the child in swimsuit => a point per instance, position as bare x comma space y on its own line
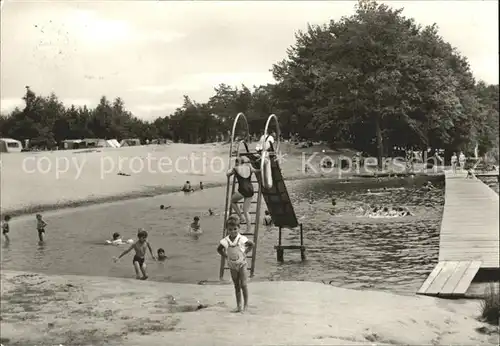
40, 226
161, 255
195, 227
245, 188
6, 227
140, 247
234, 248
268, 220
187, 187
117, 240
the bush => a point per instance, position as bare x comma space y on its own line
490, 306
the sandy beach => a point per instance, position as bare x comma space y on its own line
37, 181
78, 310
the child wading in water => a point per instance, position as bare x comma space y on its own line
140, 247
6, 228
161, 255
234, 248
40, 226
268, 220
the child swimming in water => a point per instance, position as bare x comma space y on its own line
140, 247
117, 240
268, 220
40, 226
195, 226
234, 248
6, 227
161, 255
187, 187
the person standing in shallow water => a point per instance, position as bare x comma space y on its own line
40, 226
140, 247
268, 220
243, 173
6, 228
187, 187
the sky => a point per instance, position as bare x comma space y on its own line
151, 53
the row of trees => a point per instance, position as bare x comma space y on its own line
373, 80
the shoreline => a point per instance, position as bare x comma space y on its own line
80, 184
85, 310
153, 191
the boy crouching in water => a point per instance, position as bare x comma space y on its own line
234, 248
140, 247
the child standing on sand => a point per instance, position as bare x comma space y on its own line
6, 227
234, 248
140, 247
40, 226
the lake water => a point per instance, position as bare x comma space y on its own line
492, 182
343, 247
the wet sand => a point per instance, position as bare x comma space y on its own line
78, 310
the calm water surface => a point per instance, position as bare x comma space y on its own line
343, 247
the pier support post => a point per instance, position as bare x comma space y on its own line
280, 254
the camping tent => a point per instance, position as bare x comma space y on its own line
9, 145
73, 144
129, 142
114, 143
107, 143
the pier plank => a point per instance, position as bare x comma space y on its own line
467, 278
452, 283
443, 276
435, 272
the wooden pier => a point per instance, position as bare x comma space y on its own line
469, 238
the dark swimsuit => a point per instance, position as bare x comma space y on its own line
139, 260
245, 187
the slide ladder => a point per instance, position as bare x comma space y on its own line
276, 196
234, 151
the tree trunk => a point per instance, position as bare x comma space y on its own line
380, 144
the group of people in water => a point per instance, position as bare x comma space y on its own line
40, 227
188, 188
